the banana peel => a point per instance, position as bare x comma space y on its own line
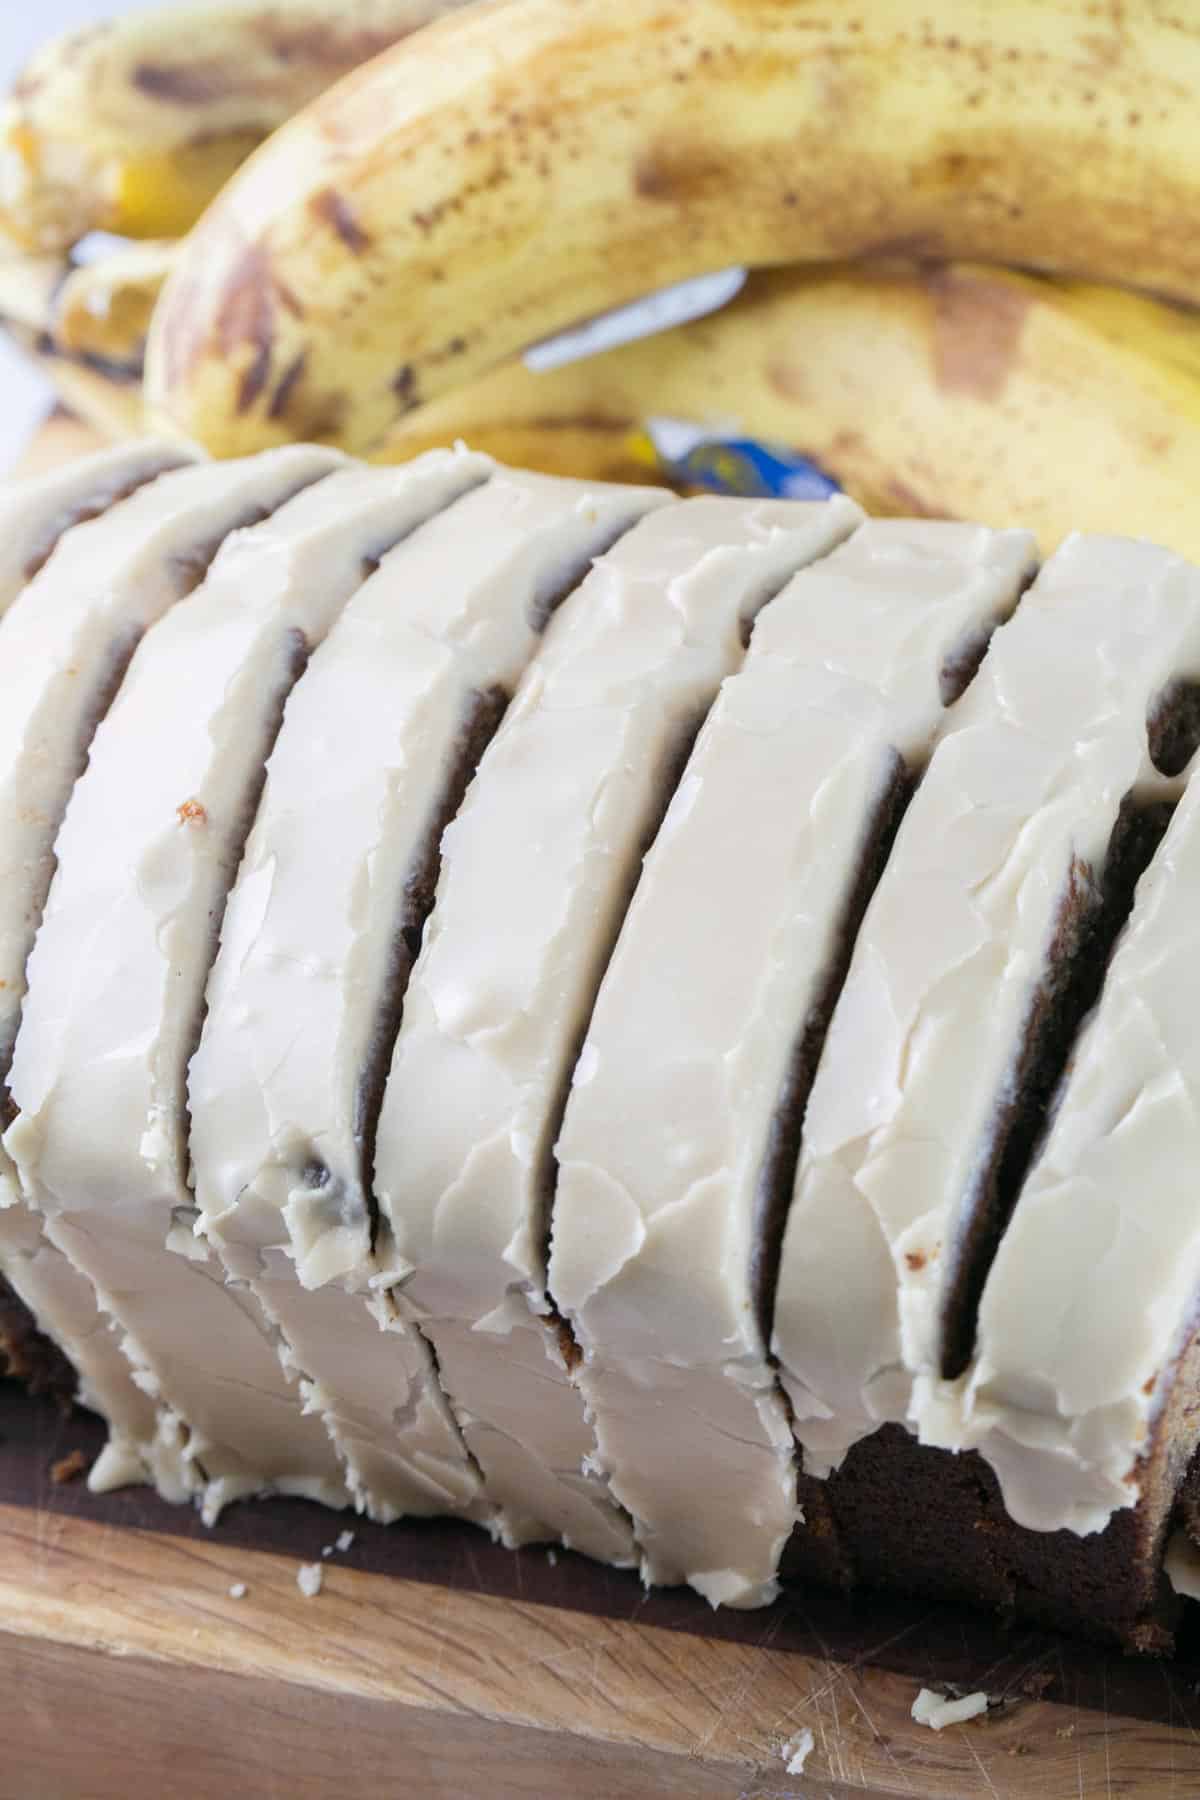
103, 308
963, 391
85, 328
133, 126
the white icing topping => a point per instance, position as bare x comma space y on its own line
722, 959
62, 643
535, 875
35, 513
67, 637
1024, 786
1094, 1287
370, 737
117, 974
64, 1304
1092, 1293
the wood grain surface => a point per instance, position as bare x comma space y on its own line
435, 1665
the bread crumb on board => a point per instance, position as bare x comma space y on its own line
67, 1468
937, 1711
797, 1750
309, 1577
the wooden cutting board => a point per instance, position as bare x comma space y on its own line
434, 1665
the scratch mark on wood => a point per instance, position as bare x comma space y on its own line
881, 1740
970, 1743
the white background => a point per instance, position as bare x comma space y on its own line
24, 24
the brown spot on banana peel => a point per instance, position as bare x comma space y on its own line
246, 314
324, 49
324, 420
334, 210
978, 322
285, 387
246, 320
678, 174
582, 421
427, 221
786, 374
318, 418
254, 378
917, 247
908, 501
324, 46
404, 386
183, 85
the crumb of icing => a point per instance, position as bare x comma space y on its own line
68, 1467
309, 1577
937, 1711
797, 1751
344, 1541
238, 1591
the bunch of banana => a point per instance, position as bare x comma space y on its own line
961, 390
521, 164
528, 162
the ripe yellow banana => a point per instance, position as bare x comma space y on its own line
525, 163
103, 397
1009, 397
103, 308
98, 376
965, 390
132, 127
